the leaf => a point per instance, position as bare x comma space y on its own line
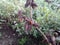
27, 3
31, 3
20, 16
28, 27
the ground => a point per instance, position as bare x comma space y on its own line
7, 35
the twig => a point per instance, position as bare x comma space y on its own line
43, 35
31, 13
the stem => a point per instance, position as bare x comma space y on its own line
31, 13
43, 35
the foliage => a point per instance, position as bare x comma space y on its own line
23, 41
46, 14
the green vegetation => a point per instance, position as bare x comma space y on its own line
46, 14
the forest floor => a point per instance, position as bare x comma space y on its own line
7, 36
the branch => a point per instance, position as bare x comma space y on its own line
31, 13
33, 23
37, 27
43, 35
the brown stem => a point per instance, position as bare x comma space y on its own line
31, 13
43, 35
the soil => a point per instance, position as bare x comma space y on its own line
7, 35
